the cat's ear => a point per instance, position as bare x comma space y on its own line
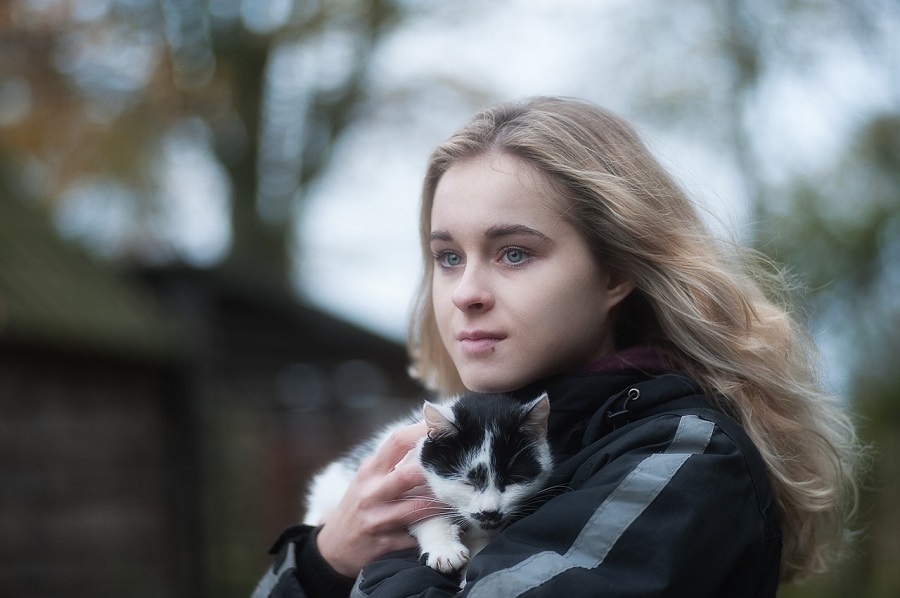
439, 419
536, 414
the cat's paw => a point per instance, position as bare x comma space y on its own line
447, 559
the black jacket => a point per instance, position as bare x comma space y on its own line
656, 493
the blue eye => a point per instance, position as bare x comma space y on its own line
448, 259
514, 255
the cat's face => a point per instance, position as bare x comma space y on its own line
486, 456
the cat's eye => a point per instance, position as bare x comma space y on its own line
518, 472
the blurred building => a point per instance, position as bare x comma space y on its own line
156, 430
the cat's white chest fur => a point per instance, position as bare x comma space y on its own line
326, 490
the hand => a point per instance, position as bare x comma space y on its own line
387, 494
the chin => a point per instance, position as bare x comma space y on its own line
491, 385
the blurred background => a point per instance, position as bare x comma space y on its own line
208, 240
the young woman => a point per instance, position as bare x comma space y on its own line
696, 453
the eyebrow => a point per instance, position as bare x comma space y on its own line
496, 232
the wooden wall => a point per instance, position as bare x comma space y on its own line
86, 455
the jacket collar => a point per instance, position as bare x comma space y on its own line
588, 405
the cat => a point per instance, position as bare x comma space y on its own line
484, 456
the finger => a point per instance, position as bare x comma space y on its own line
422, 491
402, 511
399, 540
400, 442
419, 508
403, 480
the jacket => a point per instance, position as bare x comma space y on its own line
655, 493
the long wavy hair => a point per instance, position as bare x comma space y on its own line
716, 310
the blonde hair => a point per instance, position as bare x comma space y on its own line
714, 309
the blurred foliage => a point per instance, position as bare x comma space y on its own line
841, 228
93, 95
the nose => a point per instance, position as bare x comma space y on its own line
488, 516
472, 292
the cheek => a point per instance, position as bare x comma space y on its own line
570, 323
448, 490
513, 496
575, 304
441, 310
441, 300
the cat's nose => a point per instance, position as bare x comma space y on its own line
488, 516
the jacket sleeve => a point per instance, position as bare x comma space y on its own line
670, 508
299, 571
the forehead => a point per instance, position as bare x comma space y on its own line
495, 187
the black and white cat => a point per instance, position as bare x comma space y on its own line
484, 457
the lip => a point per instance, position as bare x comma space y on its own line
479, 341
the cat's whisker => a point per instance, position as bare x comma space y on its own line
451, 518
423, 518
522, 511
435, 510
515, 456
429, 499
560, 488
431, 515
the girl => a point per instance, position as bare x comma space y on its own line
696, 453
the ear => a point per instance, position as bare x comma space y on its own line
439, 419
536, 414
618, 286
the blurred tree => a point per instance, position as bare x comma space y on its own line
841, 227
838, 225
138, 121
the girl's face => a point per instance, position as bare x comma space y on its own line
517, 295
